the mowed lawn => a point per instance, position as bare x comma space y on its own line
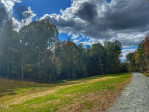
89, 94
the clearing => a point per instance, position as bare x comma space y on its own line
97, 93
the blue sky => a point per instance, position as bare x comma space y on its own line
108, 1
41, 7
92, 21
50, 7
47, 7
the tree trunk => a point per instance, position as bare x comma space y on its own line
142, 67
22, 69
44, 67
68, 70
8, 71
101, 68
53, 72
39, 61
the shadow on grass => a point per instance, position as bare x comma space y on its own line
12, 87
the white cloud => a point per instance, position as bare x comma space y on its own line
101, 21
98, 20
118, 20
9, 4
16, 24
125, 52
75, 36
75, 41
29, 14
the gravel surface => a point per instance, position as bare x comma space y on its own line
135, 97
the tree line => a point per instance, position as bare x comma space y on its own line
139, 60
36, 53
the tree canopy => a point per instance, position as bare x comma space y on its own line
36, 53
139, 59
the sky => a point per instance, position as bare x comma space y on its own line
91, 21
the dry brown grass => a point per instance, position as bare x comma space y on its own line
90, 101
99, 101
18, 99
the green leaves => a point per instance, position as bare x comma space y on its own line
36, 53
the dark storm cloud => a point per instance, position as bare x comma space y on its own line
128, 15
102, 20
87, 11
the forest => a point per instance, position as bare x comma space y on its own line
36, 53
139, 60
74, 55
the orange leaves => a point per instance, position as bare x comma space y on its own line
69, 43
146, 46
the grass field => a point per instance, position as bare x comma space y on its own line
90, 94
146, 74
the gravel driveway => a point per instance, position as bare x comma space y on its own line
135, 97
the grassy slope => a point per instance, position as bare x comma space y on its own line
146, 74
90, 94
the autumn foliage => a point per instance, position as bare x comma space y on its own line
139, 60
146, 46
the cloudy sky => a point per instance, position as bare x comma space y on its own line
91, 21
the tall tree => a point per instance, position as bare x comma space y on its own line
40, 36
98, 53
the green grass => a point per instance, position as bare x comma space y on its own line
94, 93
146, 74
